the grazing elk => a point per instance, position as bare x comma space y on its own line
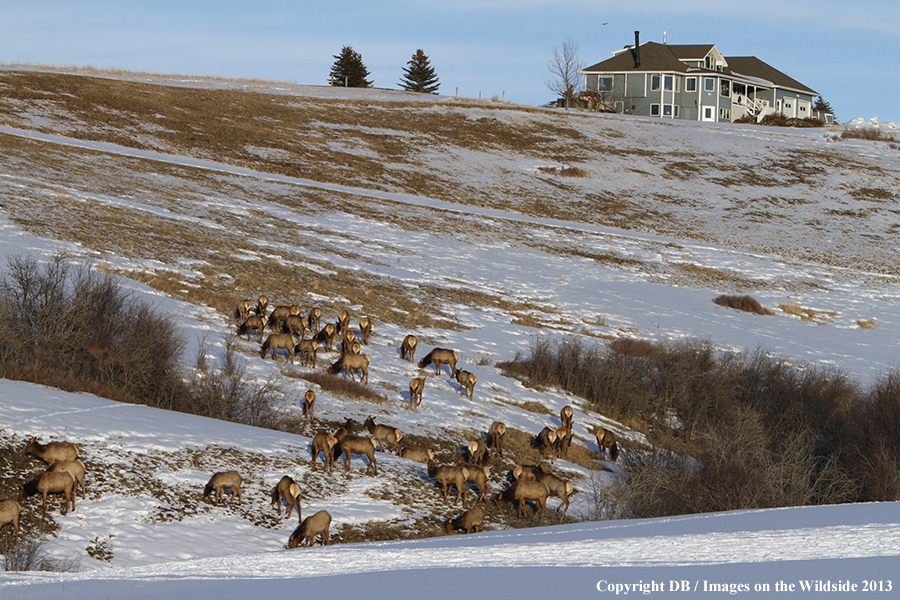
478, 452
478, 475
288, 491
221, 481
563, 441
253, 323
279, 317
566, 417
384, 434
243, 310
440, 357
75, 468
52, 452
262, 305
309, 405
345, 429
447, 476
323, 442
606, 441
422, 455
326, 336
560, 488
495, 436
307, 349
546, 440
416, 386
347, 340
349, 363
528, 473
352, 444
276, 342
471, 520
295, 324
365, 329
9, 513
408, 348
59, 482
315, 319
343, 321
305, 534
520, 492
466, 382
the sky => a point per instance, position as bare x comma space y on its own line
480, 49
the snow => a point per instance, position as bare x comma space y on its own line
218, 552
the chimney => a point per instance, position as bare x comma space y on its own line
637, 49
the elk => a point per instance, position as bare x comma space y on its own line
528, 473
408, 348
560, 488
384, 434
75, 468
262, 305
566, 417
478, 452
422, 455
278, 341
9, 513
563, 441
416, 386
466, 382
495, 436
349, 363
287, 490
295, 324
479, 476
220, 481
294, 310
343, 321
307, 349
59, 482
309, 404
447, 476
345, 429
365, 329
243, 310
522, 491
278, 317
315, 319
352, 444
52, 452
440, 357
606, 440
471, 520
253, 323
305, 534
347, 341
323, 442
546, 439
326, 336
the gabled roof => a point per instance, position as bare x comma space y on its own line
654, 57
753, 67
691, 51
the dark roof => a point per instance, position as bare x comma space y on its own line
691, 51
654, 57
753, 67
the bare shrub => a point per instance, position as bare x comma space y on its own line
342, 386
744, 303
31, 556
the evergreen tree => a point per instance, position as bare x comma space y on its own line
348, 69
419, 76
823, 105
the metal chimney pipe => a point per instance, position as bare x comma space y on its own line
637, 49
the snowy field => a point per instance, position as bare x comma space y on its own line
222, 552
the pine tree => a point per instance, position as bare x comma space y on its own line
823, 106
419, 75
348, 69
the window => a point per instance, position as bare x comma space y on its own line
678, 83
724, 114
708, 63
604, 84
739, 89
690, 84
669, 83
654, 110
667, 110
709, 84
677, 111
726, 88
654, 83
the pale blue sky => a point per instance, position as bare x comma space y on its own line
848, 52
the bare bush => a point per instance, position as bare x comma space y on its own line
31, 556
744, 303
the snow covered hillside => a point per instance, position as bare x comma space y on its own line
455, 222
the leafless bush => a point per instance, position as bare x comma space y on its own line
343, 386
744, 303
31, 556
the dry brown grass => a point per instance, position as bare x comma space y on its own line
808, 314
742, 303
868, 324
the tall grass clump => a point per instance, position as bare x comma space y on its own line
74, 328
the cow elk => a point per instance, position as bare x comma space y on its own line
9, 513
345, 429
447, 476
408, 348
546, 439
343, 321
52, 452
243, 310
312, 526
528, 473
471, 520
288, 491
560, 488
365, 329
478, 452
276, 342
252, 323
326, 336
566, 417
75, 468
563, 441
309, 405
323, 442
315, 319
307, 349
384, 435
416, 386
422, 455
466, 382
222, 481
262, 305
440, 357
349, 363
479, 476
297, 325
520, 492
495, 436
352, 444
59, 482
606, 441
279, 317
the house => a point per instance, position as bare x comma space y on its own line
694, 82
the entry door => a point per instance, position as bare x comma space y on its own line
708, 113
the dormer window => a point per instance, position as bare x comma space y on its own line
708, 63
